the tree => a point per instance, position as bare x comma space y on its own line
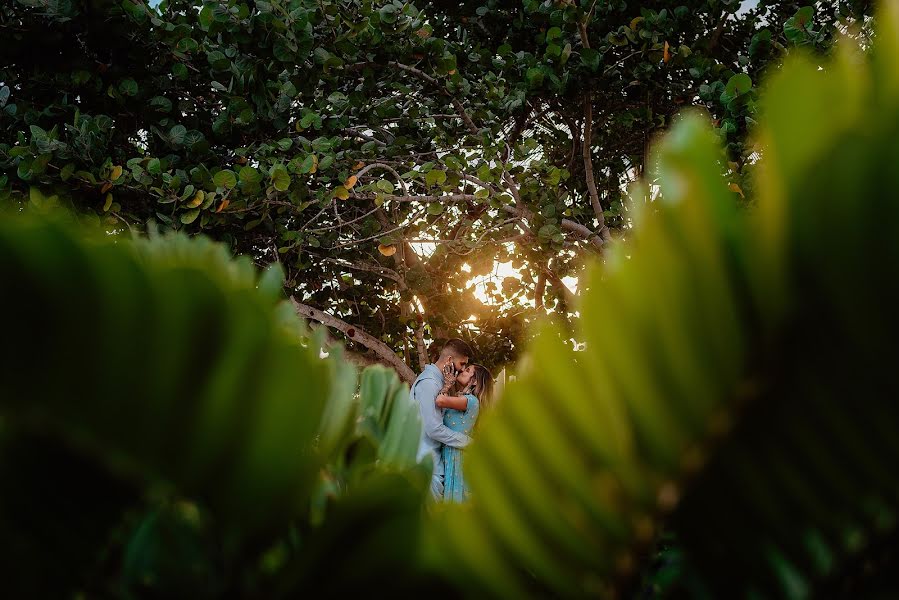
743, 398
374, 149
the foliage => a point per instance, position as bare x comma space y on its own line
166, 424
736, 384
735, 388
328, 134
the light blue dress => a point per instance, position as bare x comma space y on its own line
454, 489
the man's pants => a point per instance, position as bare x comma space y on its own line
437, 486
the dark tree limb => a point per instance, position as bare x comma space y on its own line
588, 166
539, 290
386, 355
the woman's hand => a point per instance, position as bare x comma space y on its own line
449, 377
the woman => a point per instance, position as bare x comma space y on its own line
461, 414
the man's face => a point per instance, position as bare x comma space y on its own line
459, 363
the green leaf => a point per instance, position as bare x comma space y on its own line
190, 216
161, 103
66, 172
547, 231
205, 16
388, 13
177, 134
534, 77
209, 317
280, 178
225, 179
385, 186
186, 45
738, 84
249, 175
435, 208
308, 163
797, 27
590, 58
128, 87
566, 53
435, 177
154, 166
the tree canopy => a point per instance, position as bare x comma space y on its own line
385, 153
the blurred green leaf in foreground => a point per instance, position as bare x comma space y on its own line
737, 386
169, 428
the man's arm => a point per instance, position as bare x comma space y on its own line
432, 419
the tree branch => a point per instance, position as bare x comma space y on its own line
588, 162
420, 346
444, 198
566, 225
567, 294
377, 269
583, 231
382, 350
379, 165
364, 136
539, 290
468, 122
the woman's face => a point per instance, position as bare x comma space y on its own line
465, 376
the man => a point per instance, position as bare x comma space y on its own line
453, 358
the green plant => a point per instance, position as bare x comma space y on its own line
737, 381
167, 423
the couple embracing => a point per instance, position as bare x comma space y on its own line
450, 393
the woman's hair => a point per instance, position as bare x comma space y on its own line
482, 384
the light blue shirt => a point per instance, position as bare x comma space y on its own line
434, 434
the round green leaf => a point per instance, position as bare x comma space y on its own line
388, 13
186, 45
161, 103
128, 87
534, 77
177, 134
435, 177
249, 176
225, 179
280, 178
738, 84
